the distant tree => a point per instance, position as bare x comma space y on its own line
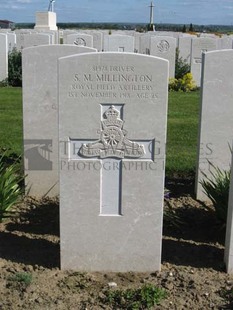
150, 27
184, 29
191, 29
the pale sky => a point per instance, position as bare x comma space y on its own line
136, 11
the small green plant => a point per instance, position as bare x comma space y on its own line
185, 84
228, 296
181, 66
132, 299
15, 68
75, 281
10, 191
216, 187
183, 80
4, 83
21, 277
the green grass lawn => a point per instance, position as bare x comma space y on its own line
11, 121
182, 132
183, 110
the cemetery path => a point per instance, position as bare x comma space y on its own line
192, 272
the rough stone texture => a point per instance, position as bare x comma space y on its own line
216, 126
228, 254
199, 46
40, 113
118, 43
164, 47
130, 239
3, 57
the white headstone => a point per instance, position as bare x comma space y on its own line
54, 36
144, 44
216, 126
31, 39
35, 39
185, 49
228, 253
98, 40
40, 113
164, 47
11, 39
137, 36
225, 43
80, 39
199, 46
66, 33
3, 57
112, 172
118, 43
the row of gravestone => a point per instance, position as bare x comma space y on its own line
190, 47
95, 133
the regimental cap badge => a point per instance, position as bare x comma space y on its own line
112, 141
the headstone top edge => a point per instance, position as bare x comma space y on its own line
225, 51
53, 46
124, 54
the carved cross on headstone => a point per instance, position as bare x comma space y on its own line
111, 148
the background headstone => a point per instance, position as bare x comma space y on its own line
80, 39
144, 44
11, 39
118, 43
199, 46
111, 198
164, 47
228, 253
40, 116
24, 40
3, 56
35, 39
225, 43
216, 126
185, 49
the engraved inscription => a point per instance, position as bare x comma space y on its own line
163, 46
112, 141
197, 60
113, 82
80, 42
